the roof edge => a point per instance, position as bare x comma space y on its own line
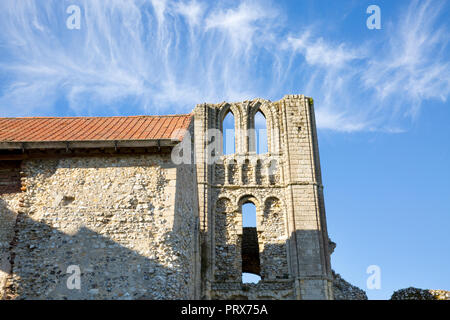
88, 144
103, 117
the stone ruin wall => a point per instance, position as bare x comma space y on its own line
284, 185
10, 185
92, 212
272, 247
250, 180
129, 223
413, 293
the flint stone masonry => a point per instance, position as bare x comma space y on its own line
127, 222
285, 186
279, 290
141, 224
412, 293
9, 205
346, 291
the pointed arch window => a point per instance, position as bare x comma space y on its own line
260, 134
229, 134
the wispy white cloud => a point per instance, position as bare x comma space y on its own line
321, 53
160, 7
124, 50
193, 11
414, 67
244, 23
164, 56
374, 86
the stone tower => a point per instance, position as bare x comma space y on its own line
290, 247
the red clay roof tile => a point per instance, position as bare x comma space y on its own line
41, 129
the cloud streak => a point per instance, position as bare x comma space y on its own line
136, 57
378, 84
415, 64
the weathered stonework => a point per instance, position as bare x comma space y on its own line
345, 291
272, 240
227, 241
128, 223
412, 293
140, 224
267, 290
284, 185
9, 205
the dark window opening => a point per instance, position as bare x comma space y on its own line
251, 268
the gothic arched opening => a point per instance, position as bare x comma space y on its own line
229, 134
260, 134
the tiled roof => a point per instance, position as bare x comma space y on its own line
44, 129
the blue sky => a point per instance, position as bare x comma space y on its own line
381, 98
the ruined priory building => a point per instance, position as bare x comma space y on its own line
149, 207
